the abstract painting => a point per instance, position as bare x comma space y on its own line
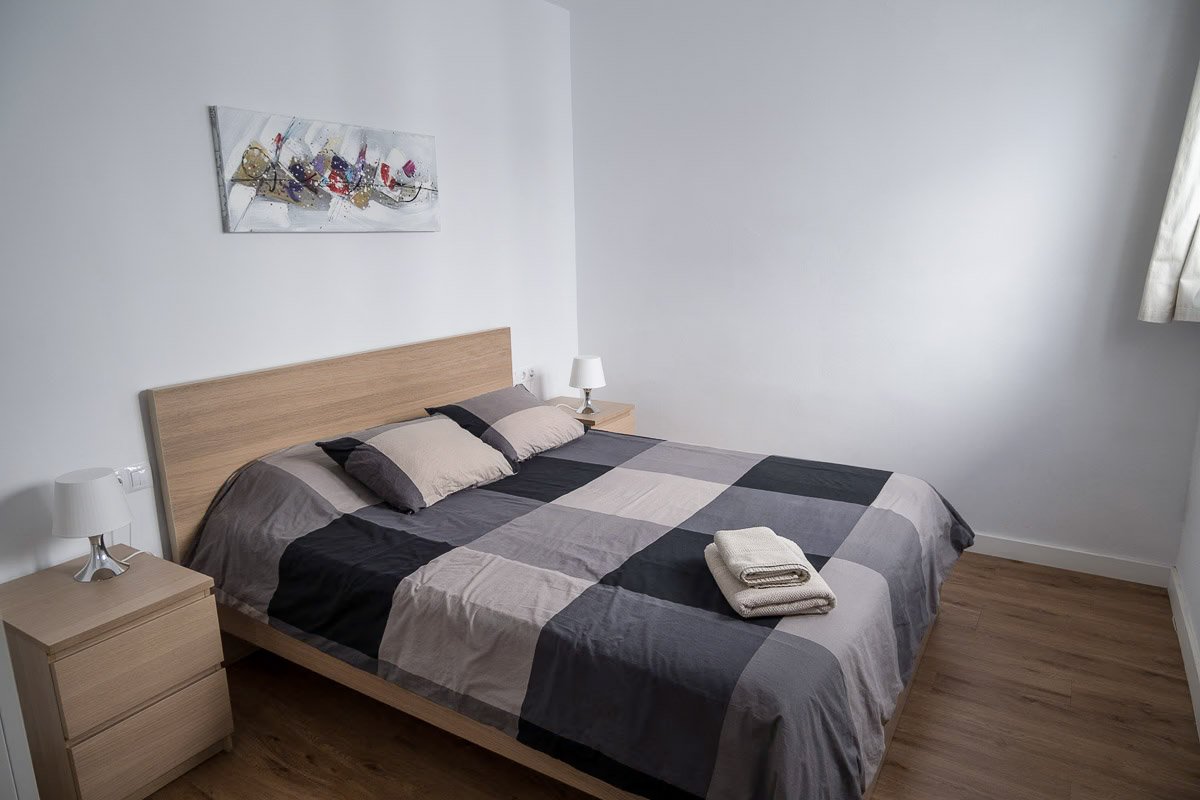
285, 173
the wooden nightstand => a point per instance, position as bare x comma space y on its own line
120, 681
609, 416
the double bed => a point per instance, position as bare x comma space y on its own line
564, 616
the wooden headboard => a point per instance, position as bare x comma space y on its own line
206, 430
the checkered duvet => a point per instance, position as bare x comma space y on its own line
570, 605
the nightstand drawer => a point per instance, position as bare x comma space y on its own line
133, 753
120, 673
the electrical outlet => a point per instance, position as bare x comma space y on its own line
525, 376
135, 477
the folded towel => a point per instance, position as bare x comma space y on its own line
759, 557
812, 597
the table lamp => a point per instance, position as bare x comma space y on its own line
90, 503
587, 373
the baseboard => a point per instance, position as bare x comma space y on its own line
1126, 569
1181, 610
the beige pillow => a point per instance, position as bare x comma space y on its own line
414, 464
514, 422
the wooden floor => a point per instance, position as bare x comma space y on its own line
1036, 683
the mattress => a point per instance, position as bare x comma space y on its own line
570, 606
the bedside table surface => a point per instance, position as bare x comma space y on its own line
57, 611
606, 410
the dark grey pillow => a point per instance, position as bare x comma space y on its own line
414, 464
514, 422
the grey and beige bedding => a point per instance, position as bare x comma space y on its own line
514, 422
570, 606
412, 465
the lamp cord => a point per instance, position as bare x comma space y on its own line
128, 558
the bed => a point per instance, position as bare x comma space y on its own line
562, 616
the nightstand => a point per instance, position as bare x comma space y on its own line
609, 416
120, 681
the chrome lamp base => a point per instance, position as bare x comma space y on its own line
100, 566
587, 407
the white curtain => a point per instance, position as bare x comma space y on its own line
1173, 283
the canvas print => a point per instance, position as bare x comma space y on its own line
285, 173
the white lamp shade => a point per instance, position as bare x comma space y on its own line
89, 502
587, 373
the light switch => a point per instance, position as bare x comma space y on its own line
135, 478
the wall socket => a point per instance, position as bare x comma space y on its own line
525, 376
134, 478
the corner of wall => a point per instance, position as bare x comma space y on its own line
1189, 644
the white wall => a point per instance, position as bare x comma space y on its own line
1185, 585
8, 785
116, 276
901, 234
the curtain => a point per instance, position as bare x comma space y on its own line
1173, 283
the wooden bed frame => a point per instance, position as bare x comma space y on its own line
204, 431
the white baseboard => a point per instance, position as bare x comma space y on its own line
1126, 569
1181, 610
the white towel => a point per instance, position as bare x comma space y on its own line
812, 597
759, 557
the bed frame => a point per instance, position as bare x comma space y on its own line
206, 430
